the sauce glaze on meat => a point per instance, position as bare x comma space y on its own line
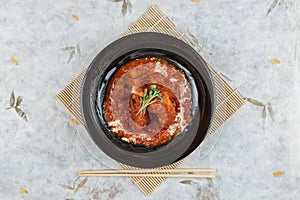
162, 120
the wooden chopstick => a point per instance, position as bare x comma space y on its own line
156, 175
176, 173
116, 171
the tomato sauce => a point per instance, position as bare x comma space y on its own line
164, 117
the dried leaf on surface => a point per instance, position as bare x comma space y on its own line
11, 99
270, 110
72, 54
186, 182
129, 5
254, 101
23, 191
77, 49
74, 121
73, 51
19, 101
14, 61
272, 6
67, 187
81, 184
124, 8
264, 113
67, 49
275, 61
21, 113
277, 174
75, 17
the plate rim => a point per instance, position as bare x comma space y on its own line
145, 160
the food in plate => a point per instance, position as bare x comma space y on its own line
148, 101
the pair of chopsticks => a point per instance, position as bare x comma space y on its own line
175, 173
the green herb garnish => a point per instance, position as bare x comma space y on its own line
151, 96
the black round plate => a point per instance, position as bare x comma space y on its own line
141, 45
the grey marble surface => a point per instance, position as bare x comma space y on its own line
47, 151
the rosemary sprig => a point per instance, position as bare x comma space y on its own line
151, 96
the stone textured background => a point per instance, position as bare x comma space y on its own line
46, 151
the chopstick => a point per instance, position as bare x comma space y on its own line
156, 175
175, 173
105, 171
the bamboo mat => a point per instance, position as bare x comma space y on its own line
228, 100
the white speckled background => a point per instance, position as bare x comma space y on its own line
46, 151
